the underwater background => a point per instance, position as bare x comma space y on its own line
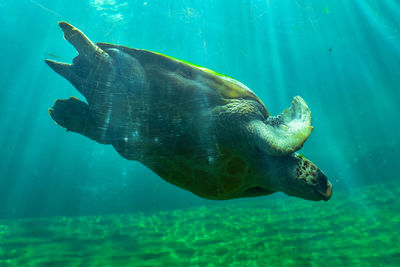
68, 201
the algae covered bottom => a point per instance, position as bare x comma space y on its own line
355, 229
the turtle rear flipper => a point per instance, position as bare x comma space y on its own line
88, 68
74, 115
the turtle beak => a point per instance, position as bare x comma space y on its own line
325, 194
324, 187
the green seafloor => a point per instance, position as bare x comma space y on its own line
357, 229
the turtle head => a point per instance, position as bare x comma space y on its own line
307, 181
299, 178
280, 137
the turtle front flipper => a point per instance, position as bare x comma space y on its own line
74, 115
286, 133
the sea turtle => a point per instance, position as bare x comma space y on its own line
197, 129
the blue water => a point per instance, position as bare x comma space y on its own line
342, 57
